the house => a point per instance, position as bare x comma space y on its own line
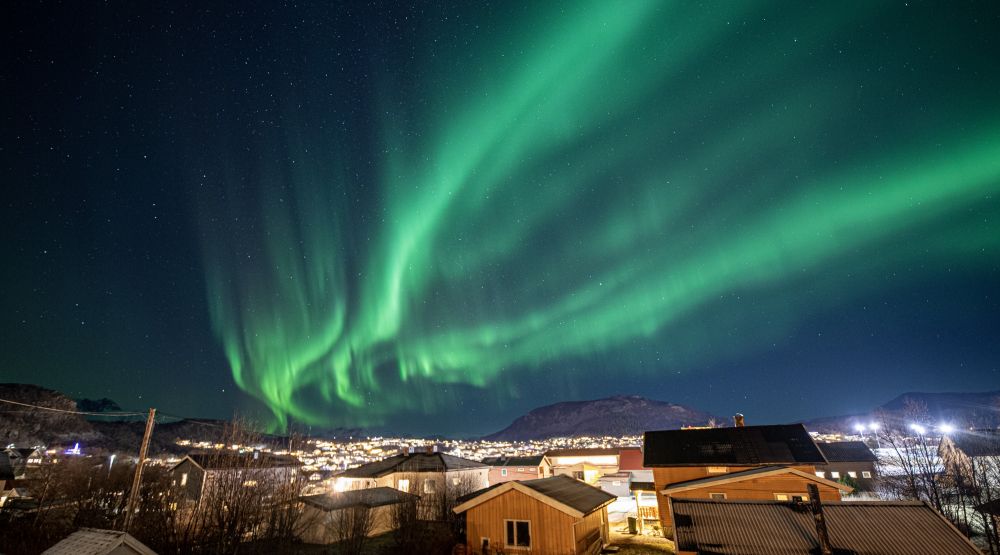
504, 469
94, 541
196, 474
558, 515
324, 515
975, 454
743, 462
616, 484
760, 527
436, 477
849, 461
587, 464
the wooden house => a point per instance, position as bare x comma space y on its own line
774, 527
550, 516
505, 469
851, 462
326, 516
438, 478
973, 454
587, 464
743, 462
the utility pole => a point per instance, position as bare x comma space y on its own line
133, 496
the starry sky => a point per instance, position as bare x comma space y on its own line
431, 219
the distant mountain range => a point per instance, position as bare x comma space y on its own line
965, 410
613, 416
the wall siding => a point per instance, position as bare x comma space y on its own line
552, 531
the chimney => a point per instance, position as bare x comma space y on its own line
738, 420
825, 547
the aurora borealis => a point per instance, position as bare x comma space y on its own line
437, 217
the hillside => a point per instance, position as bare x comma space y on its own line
28, 427
979, 410
613, 416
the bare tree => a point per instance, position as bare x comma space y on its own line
351, 527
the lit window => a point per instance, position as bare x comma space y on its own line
852, 474
250, 483
520, 470
184, 479
835, 475
518, 533
800, 498
781, 497
403, 485
866, 474
455, 481
821, 474
616, 482
718, 496
718, 469
503, 471
429, 486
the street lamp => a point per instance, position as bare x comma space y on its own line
918, 428
946, 429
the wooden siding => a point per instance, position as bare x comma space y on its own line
529, 473
762, 488
553, 532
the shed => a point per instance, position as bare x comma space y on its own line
548, 516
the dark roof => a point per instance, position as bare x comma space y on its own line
514, 461
412, 462
6, 467
213, 461
847, 451
571, 492
582, 452
568, 491
372, 497
740, 446
776, 528
978, 443
93, 541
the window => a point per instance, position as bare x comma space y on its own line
800, 498
852, 474
503, 471
866, 474
403, 485
578, 475
821, 474
781, 497
718, 469
835, 475
184, 479
430, 486
518, 533
616, 482
455, 481
718, 496
520, 470
250, 483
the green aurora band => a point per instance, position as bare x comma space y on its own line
553, 193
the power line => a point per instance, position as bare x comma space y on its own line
50, 409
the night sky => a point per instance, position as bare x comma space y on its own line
432, 219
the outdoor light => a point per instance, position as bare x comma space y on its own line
873, 426
860, 427
918, 428
946, 428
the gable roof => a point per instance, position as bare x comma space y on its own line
371, 497
739, 446
566, 494
751, 474
535, 460
846, 451
777, 528
94, 541
412, 462
977, 443
222, 460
